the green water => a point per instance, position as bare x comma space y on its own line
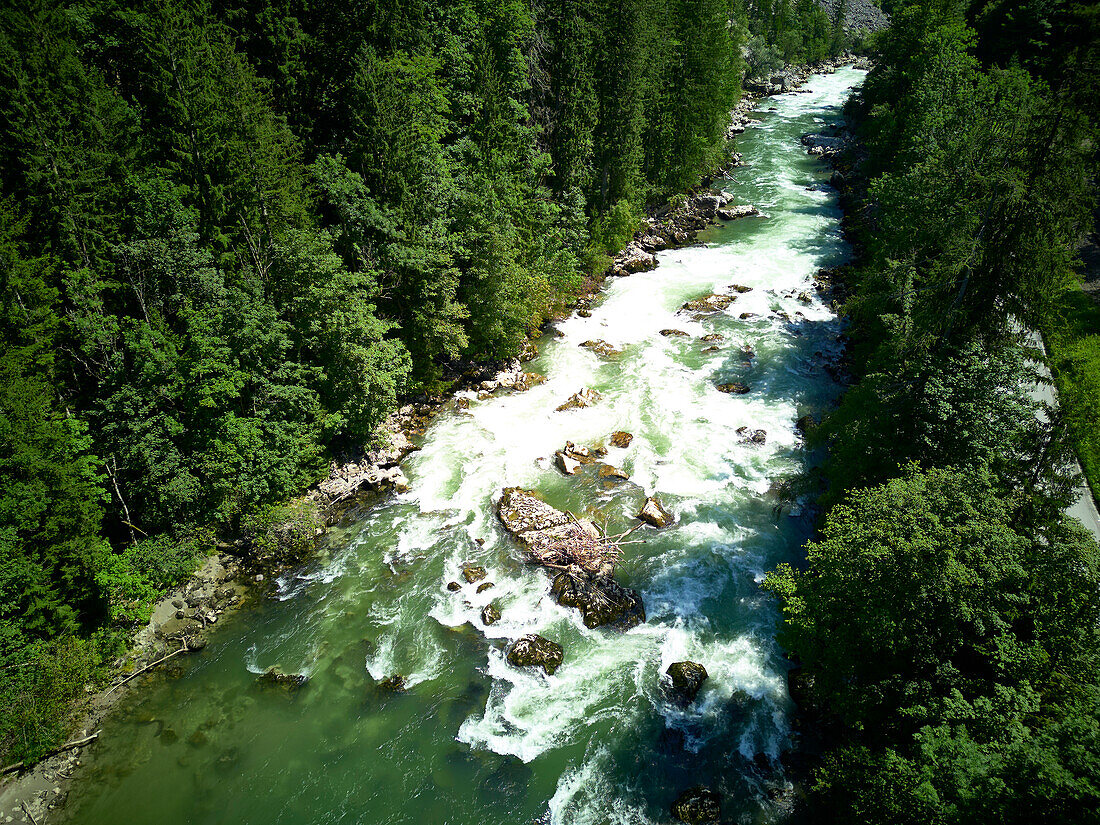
474, 740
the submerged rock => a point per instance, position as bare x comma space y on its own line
687, 679
753, 436
653, 513
621, 439
602, 601
805, 424
697, 806
734, 387
275, 677
533, 650
394, 684
580, 399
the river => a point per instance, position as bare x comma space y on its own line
474, 740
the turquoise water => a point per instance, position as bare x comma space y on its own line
474, 740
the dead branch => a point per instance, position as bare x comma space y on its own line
135, 674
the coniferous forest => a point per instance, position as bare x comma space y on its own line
236, 234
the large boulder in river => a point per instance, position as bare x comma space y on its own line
533, 650
566, 463
601, 601
633, 259
621, 439
654, 513
687, 678
521, 511
697, 806
734, 212
709, 303
576, 553
473, 572
579, 400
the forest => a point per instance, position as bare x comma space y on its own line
945, 624
234, 234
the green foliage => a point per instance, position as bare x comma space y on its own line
284, 533
39, 685
1072, 335
946, 620
956, 653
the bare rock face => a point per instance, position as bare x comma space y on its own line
674, 333
697, 806
490, 614
579, 400
652, 243
653, 513
533, 650
687, 678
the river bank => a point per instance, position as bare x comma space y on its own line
417, 416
